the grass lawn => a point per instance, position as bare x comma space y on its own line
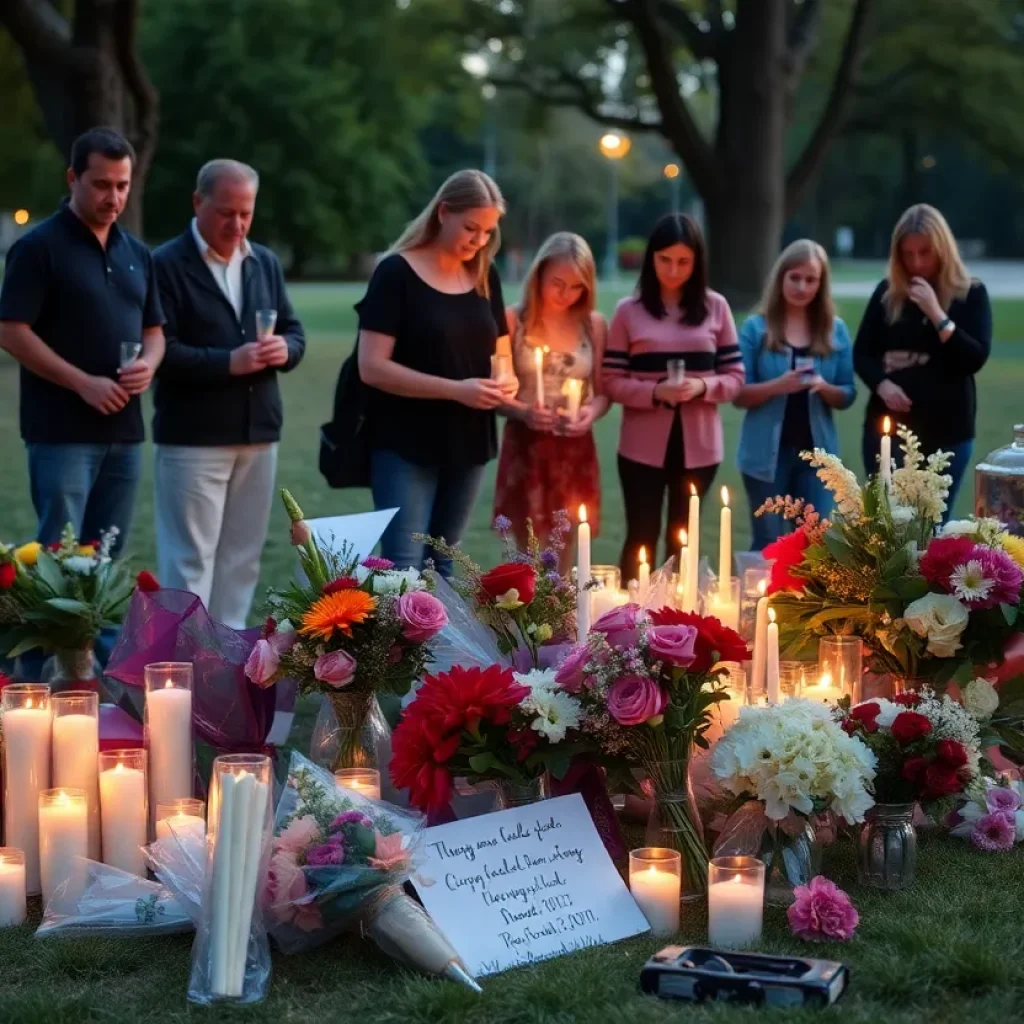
950, 949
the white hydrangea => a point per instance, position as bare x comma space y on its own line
393, 581
795, 756
81, 565
981, 698
843, 484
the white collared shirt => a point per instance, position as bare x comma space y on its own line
227, 273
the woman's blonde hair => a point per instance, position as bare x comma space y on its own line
464, 190
952, 281
821, 310
561, 247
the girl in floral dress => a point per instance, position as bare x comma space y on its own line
548, 459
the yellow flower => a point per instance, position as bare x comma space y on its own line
87, 550
27, 554
1014, 547
338, 611
509, 601
544, 632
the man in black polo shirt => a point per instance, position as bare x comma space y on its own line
230, 331
76, 289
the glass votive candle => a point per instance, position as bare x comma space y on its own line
63, 839
124, 814
12, 886
735, 902
75, 747
655, 880
176, 817
606, 590
755, 584
735, 680
793, 677
169, 730
365, 781
841, 658
722, 600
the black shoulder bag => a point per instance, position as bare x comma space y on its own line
344, 445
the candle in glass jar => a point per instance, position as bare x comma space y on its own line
885, 460
725, 539
63, 839
643, 577
654, 881
692, 553
123, 809
76, 747
772, 659
365, 781
12, 887
823, 689
735, 902
169, 731
759, 658
180, 816
583, 595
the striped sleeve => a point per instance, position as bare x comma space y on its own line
617, 382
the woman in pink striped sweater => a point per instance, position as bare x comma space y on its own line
671, 430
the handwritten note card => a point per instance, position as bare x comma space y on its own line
524, 885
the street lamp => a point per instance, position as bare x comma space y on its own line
614, 147
672, 173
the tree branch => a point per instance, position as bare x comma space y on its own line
702, 44
837, 106
38, 28
803, 20
144, 96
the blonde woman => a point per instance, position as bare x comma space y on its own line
548, 458
799, 367
926, 332
429, 323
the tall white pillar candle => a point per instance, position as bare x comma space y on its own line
885, 460
26, 754
772, 659
12, 887
169, 731
725, 539
63, 839
76, 747
643, 578
583, 595
692, 553
123, 807
758, 678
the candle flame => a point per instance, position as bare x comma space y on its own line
652, 871
762, 587
725, 496
119, 767
825, 682
886, 425
643, 555
771, 614
736, 879
28, 702
583, 513
168, 685
684, 538
64, 800
538, 356
693, 489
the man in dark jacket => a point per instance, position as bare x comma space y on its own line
230, 329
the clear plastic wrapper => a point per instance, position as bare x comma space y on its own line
179, 862
112, 902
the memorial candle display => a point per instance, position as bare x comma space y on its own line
12, 887
63, 839
76, 747
772, 659
123, 809
169, 730
582, 577
365, 781
655, 877
885, 461
643, 577
26, 769
735, 902
178, 816
725, 540
692, 553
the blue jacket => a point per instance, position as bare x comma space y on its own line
762, 426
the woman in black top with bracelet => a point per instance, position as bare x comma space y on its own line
429, 323
926, 332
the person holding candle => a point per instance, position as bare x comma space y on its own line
432, 317
548, 457
926, 332
799, 365
671, 436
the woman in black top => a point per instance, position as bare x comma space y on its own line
431, 319
926, 332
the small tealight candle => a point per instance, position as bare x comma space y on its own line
655, 877
365, 781
12, 886
176, 817
823, 689
735, 902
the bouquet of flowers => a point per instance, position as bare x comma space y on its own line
59, 598
525, 600
647, 684
926, 607
484, 724
351, 629
789, 763
993, 816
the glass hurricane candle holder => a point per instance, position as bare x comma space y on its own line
75, 750
655, 880
124, 808
63, 840
735, 902
365, 781
178, 816
841, 666
12, 886
793, 677
722, 600
755, 583
606, 590
168, 735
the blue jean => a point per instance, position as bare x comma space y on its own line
962, 452
91, 486
793, 476
430, 499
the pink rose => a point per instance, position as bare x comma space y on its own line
297, 835
421, 614
673, 644
634, 700
337, 669
822, 911
570, 674
620, 625
262, 663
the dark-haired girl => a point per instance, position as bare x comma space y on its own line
671, 430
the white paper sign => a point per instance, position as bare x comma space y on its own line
524, 885
361, 530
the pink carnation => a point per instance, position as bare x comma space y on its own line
325, 854
994, 832
822, 911
634, 700
377, 564
422, 616
1002, 799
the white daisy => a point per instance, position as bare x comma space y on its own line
969, 581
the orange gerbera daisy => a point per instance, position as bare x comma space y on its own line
338, 611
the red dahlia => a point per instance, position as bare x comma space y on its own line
785, 554
462, 698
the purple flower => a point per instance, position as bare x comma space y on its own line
351, 818
821, 911
553, 578
634, 700
1003, 800
375, 564
502, 524
325, 854
549, 559
995, 832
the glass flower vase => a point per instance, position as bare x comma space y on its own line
792, 857
887, 847
508, 794
362, 737
72, 669
674, 822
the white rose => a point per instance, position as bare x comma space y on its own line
942, 619
981, 698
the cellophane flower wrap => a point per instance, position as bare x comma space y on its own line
927, 745
525, 600
60, 597
926, 607
648, 683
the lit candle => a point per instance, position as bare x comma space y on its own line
735, 902
63, 839
180, 816
643, 577
538, 366
605, 599
12, 887
76, 747
725, 541
169, 732
680, 593
772, 659
26, 750
692, 553
824, 689
573, 391
365, 781
654, 881
123, 809
758, 679
583, 608
885, 462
